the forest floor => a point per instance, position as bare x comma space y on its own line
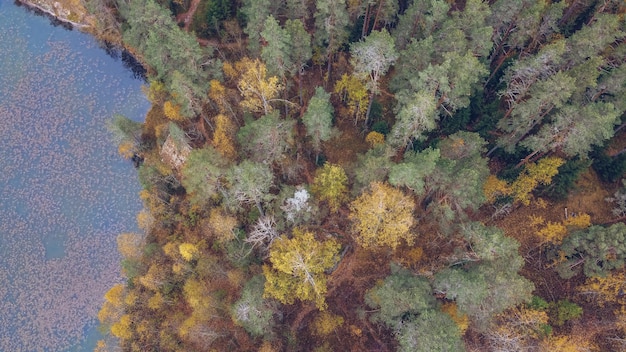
185, 18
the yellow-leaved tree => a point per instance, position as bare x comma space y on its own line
330, 185
172, 111
495, 188
326, 323
375, 138
224, 136
534, 174
257, 90
382, 217
188, 251
297, 270
354, 93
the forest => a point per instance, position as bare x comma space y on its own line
380, 175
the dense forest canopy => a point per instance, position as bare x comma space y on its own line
333, 175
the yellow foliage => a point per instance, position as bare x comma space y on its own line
354, 93
217, 93
171, 250
540, 203
267, 346
298, 266
156, 301
461, 320
326, 323
155, 92
197, 296
126, 149
229, 70
375, 138
330, 185
161, 130
113, 306
188, 251
101, 346
536, 220
356, 331
529, 322
552, 232
131, 298
115, 295
224, 136
494, 188
257, 90
153, 279
223, 225
579, 220
122, 328
178, 268
382, 217
533, 175
235, 277
172, 111
145, 220
130, 245
566, 344
607, 289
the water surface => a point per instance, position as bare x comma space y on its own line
64, 191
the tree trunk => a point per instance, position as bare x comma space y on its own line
369, 108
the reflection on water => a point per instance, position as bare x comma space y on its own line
64, 192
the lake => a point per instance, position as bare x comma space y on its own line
65, 193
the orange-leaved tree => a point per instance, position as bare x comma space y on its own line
382, 217
297, 269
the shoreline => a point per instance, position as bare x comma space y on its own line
52, 15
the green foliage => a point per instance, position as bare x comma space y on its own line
428, 15
318, 118
331, 22
488, 243
461, 171
416, 115
276, 53
300, 46
609, 169
174, 55
255, 13
564, 181
203, 174
562, 311
372, 58
373, 166
431, 331
538, 303
400, 293
216, 11
600, 249
252, 311
414, 169
250, 182
124, 129
489, 286
267, 139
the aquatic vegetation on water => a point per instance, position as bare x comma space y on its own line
64, 191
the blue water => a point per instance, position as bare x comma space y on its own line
64, 192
